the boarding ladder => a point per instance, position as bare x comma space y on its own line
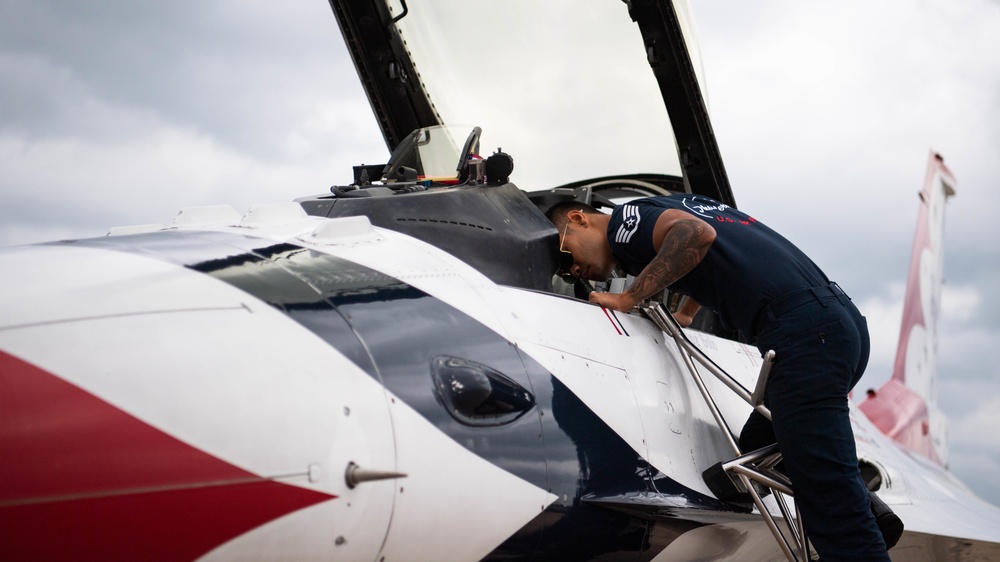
748, 474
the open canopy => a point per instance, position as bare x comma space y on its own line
565, 87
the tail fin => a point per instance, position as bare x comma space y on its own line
905, 408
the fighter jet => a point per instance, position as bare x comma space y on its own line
392, 370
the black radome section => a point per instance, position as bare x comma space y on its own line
496, 230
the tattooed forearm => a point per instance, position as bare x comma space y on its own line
684, 245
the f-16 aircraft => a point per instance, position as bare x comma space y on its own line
392, 370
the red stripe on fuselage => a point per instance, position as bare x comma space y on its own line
82, 479
612, 320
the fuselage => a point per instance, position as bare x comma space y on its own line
201, 391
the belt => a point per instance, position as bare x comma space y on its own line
791, 301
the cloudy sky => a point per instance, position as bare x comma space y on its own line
117, 112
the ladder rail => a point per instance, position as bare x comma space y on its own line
806, 554
665, 321
772, 525
762, 479
712, 406
755, 466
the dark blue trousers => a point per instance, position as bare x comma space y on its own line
821, 350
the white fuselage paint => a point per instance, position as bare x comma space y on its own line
226, 373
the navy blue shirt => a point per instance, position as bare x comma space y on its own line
747, 265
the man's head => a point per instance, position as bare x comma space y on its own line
583, 233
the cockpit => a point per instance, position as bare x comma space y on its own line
439, 188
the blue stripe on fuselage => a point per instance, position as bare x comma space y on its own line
393, 331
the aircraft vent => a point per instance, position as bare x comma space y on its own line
458, 223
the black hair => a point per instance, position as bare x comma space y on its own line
558, 212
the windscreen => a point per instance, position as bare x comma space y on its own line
434, 153
562, 86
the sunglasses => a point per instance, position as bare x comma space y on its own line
565, 257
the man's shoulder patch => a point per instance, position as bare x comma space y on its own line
630, 224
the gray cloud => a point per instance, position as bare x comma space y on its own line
240, 72
121, 113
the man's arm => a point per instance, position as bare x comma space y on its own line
681, 241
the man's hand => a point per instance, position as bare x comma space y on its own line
683, 319
622, 302
686, 311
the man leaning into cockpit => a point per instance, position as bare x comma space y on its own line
762, 285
